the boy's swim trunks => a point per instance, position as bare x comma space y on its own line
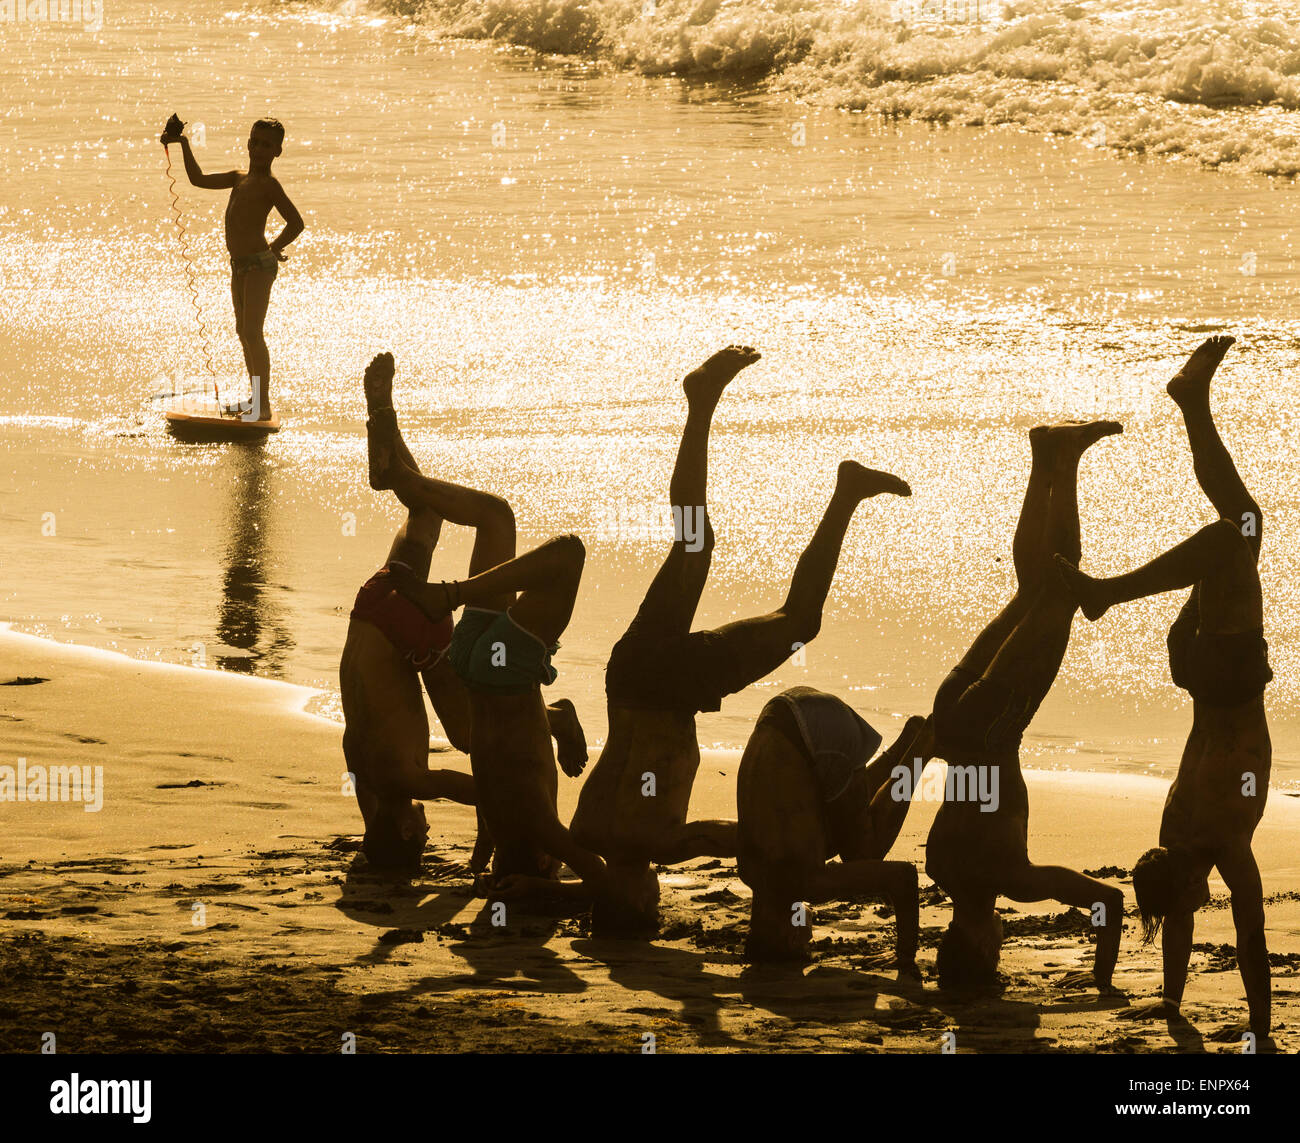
691, 672
492, 653
978, 716
260, 260
418, 639
831, 735
1217, 669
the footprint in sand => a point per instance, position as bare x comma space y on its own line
172, 755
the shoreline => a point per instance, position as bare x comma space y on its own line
1157, 759
225, 850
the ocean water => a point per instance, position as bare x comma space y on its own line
1169, 77
548, 242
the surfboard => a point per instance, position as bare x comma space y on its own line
193, 426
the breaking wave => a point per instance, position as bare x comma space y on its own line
1217, 81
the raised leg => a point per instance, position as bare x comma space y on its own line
548, 578
1215, 471
1066, 444
1031, 656
1028, 662
674, 593
491, 518
570, 740
703, 388
415, 541
1049, 523
761, 644
815, 571
1211, 552
384, 439
392, 466
1029, 548
1063, 530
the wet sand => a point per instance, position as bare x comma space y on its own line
217, 902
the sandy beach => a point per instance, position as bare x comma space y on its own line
216, 901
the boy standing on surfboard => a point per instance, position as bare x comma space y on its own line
253, 263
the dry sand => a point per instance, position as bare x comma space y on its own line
217, 902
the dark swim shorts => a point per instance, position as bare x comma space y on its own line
978, 716
264, 260
691, 672
418, 639
492, 653
1217, 669
836, 741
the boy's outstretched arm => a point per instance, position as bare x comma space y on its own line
195, 173
292, 219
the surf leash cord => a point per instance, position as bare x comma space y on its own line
190, 282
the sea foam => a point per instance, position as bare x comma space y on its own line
1217, 81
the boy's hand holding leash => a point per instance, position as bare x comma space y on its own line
172, 132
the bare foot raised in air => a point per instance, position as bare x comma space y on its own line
379, 396
705, 384
379, 382
1073, 435
862, 482
1192, 382
1083, 589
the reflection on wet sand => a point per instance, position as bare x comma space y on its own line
246, 610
